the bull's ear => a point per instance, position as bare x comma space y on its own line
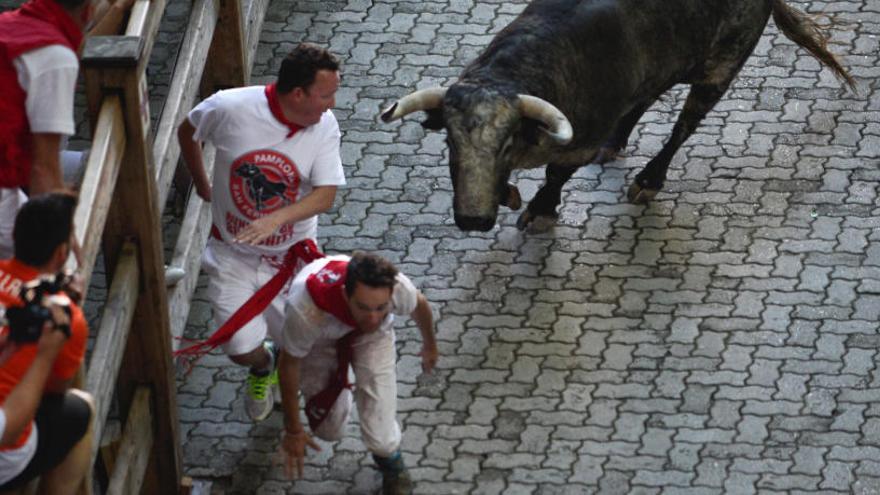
531, 131
434, 121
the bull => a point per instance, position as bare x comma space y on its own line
567, 80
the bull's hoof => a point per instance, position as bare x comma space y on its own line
513, 199
639, 196
535, 224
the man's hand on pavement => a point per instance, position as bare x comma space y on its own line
293, 451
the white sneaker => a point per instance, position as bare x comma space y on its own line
262, 390
258, 401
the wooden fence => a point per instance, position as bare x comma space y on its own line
127, 180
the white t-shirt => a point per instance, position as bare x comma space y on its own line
48, 76
13, 462
258, 169
305, 323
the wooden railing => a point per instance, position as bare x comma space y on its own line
125, 187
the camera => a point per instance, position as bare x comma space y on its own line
39, 297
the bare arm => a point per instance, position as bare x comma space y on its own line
318, 201
21, 404
295, 439
109, 17
424, 319
192, 155
46, 166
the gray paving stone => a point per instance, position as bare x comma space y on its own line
685, 347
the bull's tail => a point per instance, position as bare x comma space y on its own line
806, 32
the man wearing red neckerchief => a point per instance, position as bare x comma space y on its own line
277, 167
340, 312
38, 70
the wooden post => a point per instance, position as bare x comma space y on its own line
227, 65
134, 214
182, 91
137, 439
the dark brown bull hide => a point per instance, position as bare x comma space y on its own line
565, 83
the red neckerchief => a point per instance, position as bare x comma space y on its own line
304, 250
277, 112
34, 25
327, 289
53, 13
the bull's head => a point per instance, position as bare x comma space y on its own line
489, 134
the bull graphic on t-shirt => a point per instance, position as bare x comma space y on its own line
260, 187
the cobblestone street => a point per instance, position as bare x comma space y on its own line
721, 340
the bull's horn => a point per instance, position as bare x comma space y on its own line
423, 99
558, 127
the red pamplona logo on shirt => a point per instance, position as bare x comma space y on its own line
263, 181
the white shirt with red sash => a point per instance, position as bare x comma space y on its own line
306, 323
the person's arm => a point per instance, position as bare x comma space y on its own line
68, 361
109, 17
191, 151
295, 439
21, 404
424, 319
46, 173
319, 200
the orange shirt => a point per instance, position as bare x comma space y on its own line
13, 274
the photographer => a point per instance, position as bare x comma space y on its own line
56, 444
18, 410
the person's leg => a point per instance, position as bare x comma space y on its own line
63, 422
66, 477
73, 165
376, 397
317, 369
232, 280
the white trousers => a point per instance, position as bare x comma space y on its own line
375, 392
12, 199
233, 277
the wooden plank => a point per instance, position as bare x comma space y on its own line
191, 242
145, 25
99, 182
111, 338
134, 214
137, 441
138, 18
109, 445
182, 92
256, 13
227, 66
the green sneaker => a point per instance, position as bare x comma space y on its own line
258, 401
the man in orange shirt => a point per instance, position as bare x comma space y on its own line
56, 445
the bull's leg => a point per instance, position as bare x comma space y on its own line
701, 99
609, 151
541, 214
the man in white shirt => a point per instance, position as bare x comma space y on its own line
340, 312
277, 167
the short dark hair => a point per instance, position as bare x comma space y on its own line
299, 67
71, 4
369, 269
43, 223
